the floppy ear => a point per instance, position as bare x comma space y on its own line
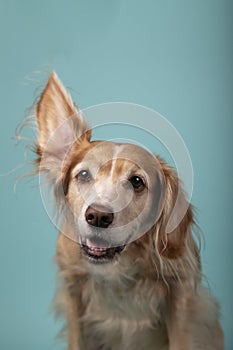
60, 124
172, 244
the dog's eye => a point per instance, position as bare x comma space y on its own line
137, 183
83, 176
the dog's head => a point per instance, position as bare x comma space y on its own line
113, 193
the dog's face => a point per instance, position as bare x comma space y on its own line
113, 193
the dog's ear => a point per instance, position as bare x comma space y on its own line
60, 124
172, 244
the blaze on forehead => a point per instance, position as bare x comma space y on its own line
110, 156
102, 152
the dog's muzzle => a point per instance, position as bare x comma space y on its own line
95, 249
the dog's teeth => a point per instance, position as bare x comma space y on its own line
94, 246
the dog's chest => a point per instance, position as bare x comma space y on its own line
125, 317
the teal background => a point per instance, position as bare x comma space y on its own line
173, 56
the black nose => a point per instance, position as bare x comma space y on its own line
100, 217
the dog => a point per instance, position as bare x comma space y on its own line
126, 283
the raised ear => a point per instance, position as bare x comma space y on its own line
172, 245
60, 124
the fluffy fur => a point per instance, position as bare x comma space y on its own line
147, 294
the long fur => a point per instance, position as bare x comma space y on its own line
150, 295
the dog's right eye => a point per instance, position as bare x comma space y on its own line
137, 183
83, 176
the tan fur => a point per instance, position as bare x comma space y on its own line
150, 295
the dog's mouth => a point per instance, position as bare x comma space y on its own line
100, 254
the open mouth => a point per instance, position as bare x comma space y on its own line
100, 254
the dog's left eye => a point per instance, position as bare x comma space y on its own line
137, 183
83, 176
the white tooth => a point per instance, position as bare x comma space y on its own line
88, 243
